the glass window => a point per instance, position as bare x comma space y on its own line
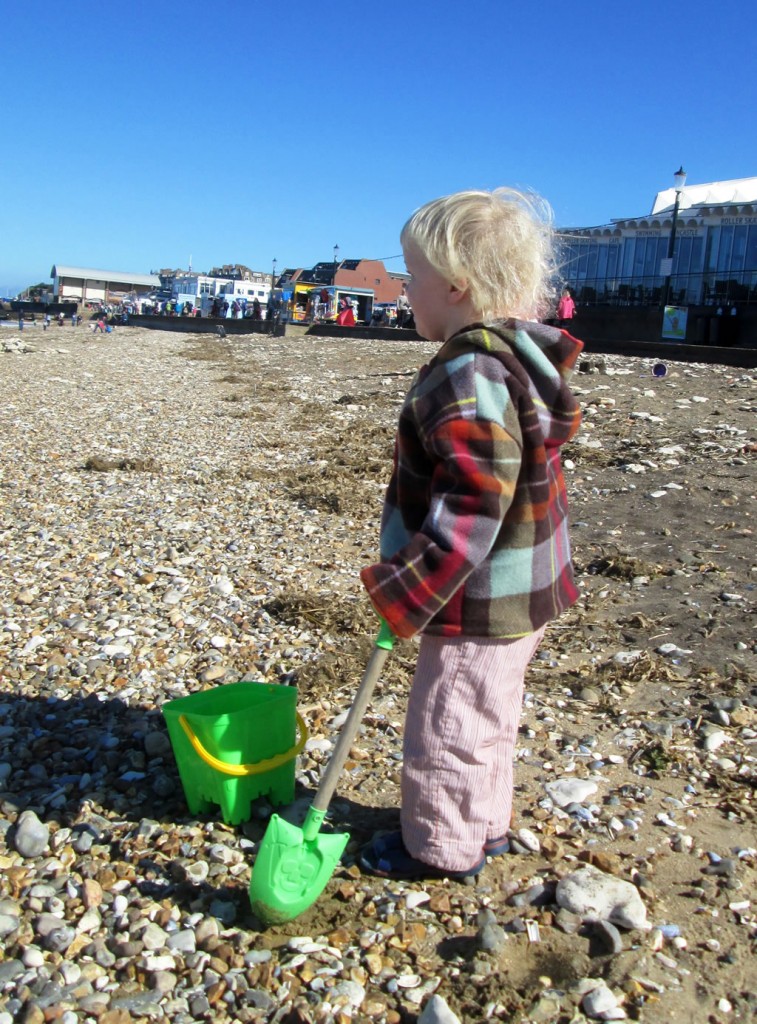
739, 247
629, 245
591, 263
612, 260
583, 262
651, 266
638, 260
682, 256
711, 249
602, 261
697, 249
570, 262
726, 240
750, 259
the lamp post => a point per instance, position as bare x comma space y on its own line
336, 262
679, 179
273, 274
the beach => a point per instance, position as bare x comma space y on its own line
178, 512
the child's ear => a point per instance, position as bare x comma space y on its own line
457, 292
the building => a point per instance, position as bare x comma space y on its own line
194, 287
364, 274
386, 284
86, 284
714, 258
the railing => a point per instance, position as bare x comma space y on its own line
738, 289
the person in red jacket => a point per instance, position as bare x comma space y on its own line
346, 315
474, 548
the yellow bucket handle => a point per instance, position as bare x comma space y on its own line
246, 769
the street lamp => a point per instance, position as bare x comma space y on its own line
336, 261
273, 274
679, 179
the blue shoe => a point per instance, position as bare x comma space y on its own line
387, 857
497, 847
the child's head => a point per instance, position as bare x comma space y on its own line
497, 246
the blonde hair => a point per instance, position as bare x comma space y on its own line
496, 244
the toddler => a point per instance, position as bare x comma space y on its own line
474, 535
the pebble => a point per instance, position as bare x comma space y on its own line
597, 896
601, 1003
349, 993
609, 936
437, 1011
491, 938
569, 791
416, 899
714, 740
32, 836
527, 839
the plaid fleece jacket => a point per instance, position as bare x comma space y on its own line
474, 532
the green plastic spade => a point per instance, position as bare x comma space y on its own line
294, 864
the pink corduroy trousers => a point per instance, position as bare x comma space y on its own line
460, 731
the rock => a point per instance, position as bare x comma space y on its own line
569, 791
416, 899
527, 839
157, 744
491, 938
32, 836
436, 1011
602, 1004
600, 897
609, 936
715, 739
8, 924
348, 993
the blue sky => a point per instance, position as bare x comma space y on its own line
138, 135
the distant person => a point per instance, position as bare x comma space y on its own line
46, 322
257, 310
566, 309
20, 320
274, 307
61, 319
404, 309
346, 315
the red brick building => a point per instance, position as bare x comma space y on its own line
385, 284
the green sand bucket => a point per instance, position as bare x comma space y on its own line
234, 744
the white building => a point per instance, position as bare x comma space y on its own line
88, 284
714, 258
199, 288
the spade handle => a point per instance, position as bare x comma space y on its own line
350, 728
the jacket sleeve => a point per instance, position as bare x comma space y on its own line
477, 467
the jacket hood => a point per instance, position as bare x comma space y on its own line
541, 357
